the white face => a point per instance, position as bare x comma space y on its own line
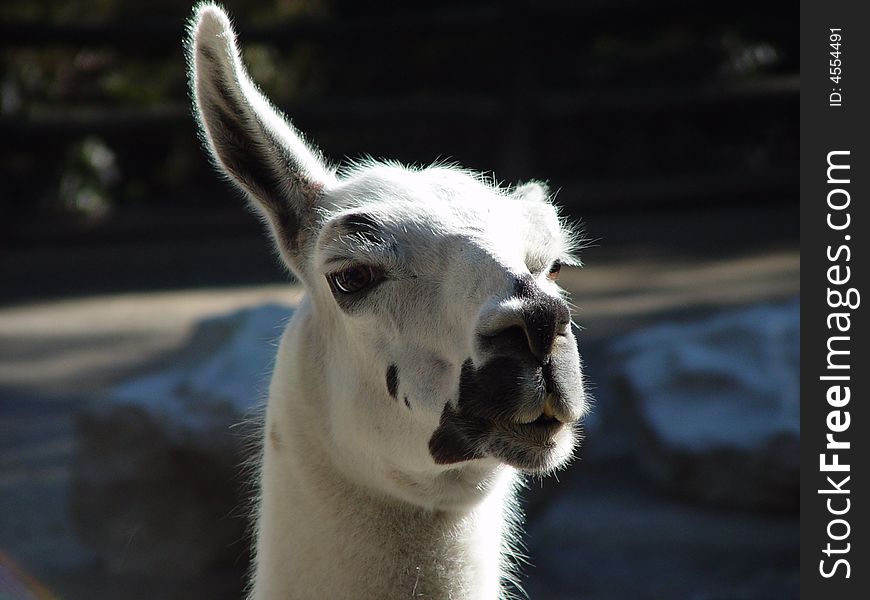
437, 326
444, 290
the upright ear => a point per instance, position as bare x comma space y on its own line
534, 191
248, 138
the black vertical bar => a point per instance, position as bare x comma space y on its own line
835, 223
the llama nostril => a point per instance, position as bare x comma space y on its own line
541, 346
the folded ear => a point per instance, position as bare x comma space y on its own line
248, 138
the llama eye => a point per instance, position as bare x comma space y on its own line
352, 280
553, 273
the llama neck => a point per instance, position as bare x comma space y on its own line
334, 540
322, 536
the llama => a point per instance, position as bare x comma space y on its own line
429, 366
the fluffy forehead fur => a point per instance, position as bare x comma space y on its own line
435, 210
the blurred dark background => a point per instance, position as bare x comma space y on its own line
626, 107
670, 128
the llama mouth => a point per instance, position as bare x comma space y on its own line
538, 432
545, 421
538, 447
524, 420
554, 412
535, 446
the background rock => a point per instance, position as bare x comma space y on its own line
158, 481
713, 406
611, 536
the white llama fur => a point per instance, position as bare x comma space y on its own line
400, 416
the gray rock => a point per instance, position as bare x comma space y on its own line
713, 406
159, 483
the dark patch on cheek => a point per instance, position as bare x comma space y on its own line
459, 433
393, 380
454, 439
408, 404
487, 396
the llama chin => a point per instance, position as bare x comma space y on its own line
431, 362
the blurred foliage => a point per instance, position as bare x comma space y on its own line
47, 76
89, 175
62, 102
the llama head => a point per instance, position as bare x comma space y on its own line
443, 344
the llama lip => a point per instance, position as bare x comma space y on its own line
543, 427
543, 419
535, 447
551, 413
